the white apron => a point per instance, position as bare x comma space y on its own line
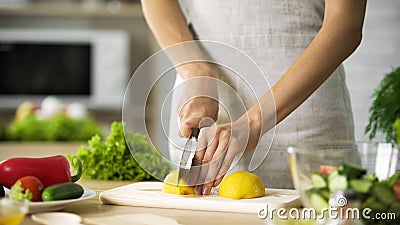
274, 33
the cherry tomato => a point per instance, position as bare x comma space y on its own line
396, 189
34, 185
327, 170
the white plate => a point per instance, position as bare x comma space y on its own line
57, 218
35, 207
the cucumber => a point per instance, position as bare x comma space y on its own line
332, 176
351, 171
338, 183
360, 185
323, 192
318, 202
62, 191
372, 177
318, 180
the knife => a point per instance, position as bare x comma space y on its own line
190, 147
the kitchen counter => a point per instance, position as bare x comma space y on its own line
92, 208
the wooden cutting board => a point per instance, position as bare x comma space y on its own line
149, 194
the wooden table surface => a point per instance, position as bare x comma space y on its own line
92, 208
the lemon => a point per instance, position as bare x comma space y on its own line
240, 185
172, 186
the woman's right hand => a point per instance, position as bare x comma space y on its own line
197, 112
199, 101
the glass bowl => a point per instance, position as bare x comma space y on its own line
312, 165
12, 212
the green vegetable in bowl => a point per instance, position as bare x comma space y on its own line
351, 171
318, 180
112, 160
380, 196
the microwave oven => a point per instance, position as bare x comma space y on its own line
86, 66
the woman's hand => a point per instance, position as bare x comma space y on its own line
198, 112
217, 148
199, 102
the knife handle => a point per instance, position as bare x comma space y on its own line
195, 133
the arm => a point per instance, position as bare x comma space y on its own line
337, 39
168, 25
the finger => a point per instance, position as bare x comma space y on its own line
205, 164
217, 181
228, 159
211, 148
200, 179
211, 175
188, 123
218, 158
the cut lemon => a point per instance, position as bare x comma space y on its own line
241, 184
172, 186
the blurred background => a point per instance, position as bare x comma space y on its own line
84, 51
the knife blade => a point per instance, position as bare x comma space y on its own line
190, 147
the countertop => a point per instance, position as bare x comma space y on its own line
94, 208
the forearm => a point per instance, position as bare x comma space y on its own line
168, 24
338, 38
166, 21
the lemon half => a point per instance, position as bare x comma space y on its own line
172, 186
241, 184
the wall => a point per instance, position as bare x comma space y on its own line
378, 53
71, 15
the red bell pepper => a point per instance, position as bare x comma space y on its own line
49, 170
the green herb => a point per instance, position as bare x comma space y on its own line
112, 160
18, 193
396, 127
57, 128
385, 108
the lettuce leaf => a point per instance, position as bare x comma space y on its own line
112, 160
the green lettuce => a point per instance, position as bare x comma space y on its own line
57, 128
112, 160
18, 193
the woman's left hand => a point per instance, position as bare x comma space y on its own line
217, 147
